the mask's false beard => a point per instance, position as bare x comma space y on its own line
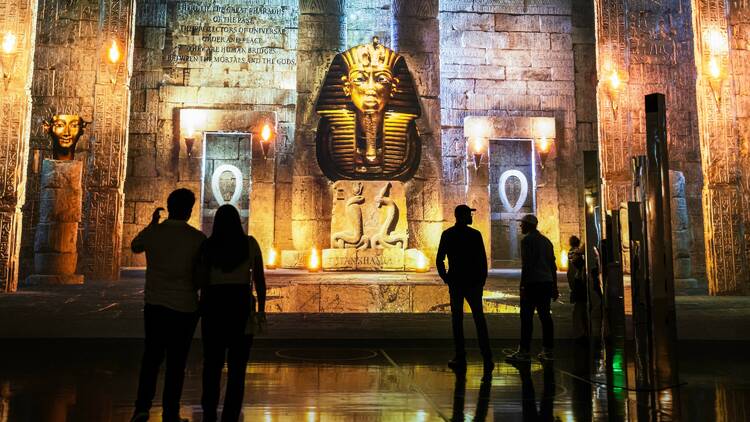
370, 130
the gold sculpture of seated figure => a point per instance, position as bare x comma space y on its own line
65, 131
368, 106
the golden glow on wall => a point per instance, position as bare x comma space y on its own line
423, 264
613, 86
265, 133
716, 44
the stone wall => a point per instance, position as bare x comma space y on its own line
19, 17
649, 46
517, 59
368, 18
231, 56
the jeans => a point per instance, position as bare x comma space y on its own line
224, 311
472, 295
168, 334
536, 297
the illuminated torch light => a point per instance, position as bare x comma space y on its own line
313, 264
564, 260
9, 43
271, 259
114, 53
265, 137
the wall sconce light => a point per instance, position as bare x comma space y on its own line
613, 86
189, 141
544, 137
313, 264
478, 150
266, 138
718, 46
113, 57
8, 54
272, 258
564, 260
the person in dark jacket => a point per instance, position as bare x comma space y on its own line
466, 275
577, 283
538, 289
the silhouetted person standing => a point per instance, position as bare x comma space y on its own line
234, 264
538, 289
577, 283
466, 275
170, 312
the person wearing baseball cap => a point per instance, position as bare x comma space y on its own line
465, 277
538, 289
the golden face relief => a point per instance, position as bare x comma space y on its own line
65, 130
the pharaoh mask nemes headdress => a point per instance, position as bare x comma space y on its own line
368, 106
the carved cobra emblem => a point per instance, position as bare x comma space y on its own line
503, 185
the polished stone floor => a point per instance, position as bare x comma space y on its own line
94, 380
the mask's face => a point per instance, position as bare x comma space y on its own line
369, 89
66, 129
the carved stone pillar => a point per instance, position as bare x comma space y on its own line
19, 17
416, 36
322, 34
105, 167
724, 222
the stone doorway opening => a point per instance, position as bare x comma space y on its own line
226, 172
512, 182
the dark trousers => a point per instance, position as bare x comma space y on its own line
168, 334
473, 297
536, 297
224, 312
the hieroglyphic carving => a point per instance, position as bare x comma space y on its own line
17, 16
102, 220
723, 193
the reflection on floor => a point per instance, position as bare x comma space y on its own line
73, 380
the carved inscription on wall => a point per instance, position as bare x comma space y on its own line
256, 34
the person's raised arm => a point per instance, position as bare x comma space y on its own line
138, 245
440, 261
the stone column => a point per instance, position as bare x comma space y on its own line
55, 252
416, 36
105, 166
17, 16
322, 35
721, 155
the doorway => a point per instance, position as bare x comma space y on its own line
512, 195
226, 175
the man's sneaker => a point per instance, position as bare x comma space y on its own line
457, 364
546, 355
139, 417
518, 356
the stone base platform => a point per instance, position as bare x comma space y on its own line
297, 291
54, 279
350, 259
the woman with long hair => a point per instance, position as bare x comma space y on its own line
232, 263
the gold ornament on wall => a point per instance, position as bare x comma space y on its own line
368, 105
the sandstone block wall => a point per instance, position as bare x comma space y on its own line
520, 58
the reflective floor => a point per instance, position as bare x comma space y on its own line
74, 380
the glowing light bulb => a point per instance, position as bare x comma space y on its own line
477, 145
564, 260
114, 52
614, 80
265, 133
713, 68
9, 43
271, 259
314, 263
